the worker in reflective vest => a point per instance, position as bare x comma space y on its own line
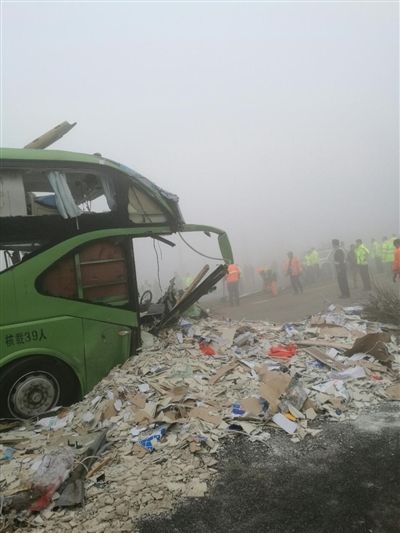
293, 270
376, 255
232, 278
362, 254
387, 254
396, 261
315, 263
351, 261
269, 279
308, 267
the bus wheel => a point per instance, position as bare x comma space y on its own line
34, 385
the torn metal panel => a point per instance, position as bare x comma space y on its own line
190, 299
51, 136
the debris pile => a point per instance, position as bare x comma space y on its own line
149, 433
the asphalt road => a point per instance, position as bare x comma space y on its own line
287, 306
345, 480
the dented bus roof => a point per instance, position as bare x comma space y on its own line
32, 191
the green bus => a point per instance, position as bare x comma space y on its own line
70, 307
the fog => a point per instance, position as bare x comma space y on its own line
278, 122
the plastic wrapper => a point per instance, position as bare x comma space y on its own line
52, 470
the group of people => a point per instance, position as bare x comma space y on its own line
385, 255
355, 263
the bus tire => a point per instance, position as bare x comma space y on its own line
34, 385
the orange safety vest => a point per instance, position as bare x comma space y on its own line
396, 261
294, 266
233, 274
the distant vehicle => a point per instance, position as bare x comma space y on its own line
70, 307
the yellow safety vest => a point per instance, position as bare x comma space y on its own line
362, 254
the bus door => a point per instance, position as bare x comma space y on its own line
100, 277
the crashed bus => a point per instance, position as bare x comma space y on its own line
70, 305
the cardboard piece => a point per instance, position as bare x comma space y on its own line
108, 410
251, 406
178, 393
222, 371
393, 392
372, 344
139, 400
203, 413
310, 413
273, 385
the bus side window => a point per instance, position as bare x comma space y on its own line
97, 273
60, 279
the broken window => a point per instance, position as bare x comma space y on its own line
72, 193
52, 192
142, 208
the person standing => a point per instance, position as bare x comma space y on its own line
293, 270
376, 255
307, 265
387, 254
232, 278
315, 263
362, 254
339, 258
352, 264
396, 261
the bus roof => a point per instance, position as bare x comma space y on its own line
29, 154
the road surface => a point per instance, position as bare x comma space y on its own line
345, 480
287, 307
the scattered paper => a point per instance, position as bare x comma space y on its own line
393, 392
287, 425
354, 372
204, 413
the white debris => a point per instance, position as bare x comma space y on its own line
169, 409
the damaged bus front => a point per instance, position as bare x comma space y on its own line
70, 308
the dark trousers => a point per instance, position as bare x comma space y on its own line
364, 273
354, 275
233, 293
343, 283
296, 284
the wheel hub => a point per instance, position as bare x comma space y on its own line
33, 394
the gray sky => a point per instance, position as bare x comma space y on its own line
278, 122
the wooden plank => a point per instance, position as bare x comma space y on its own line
327, 343
323, 358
